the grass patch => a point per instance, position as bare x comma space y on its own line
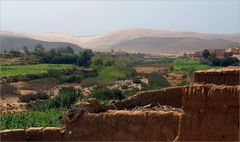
7, 63
16, 70
111, 74
65, 98
185, 65
31, 118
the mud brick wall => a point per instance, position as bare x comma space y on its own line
211, 112
33, 134
228, 76
123, 125
170, 96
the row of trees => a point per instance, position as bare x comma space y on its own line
213, 61
55, 56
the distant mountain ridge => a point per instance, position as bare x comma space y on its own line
17, 43
143, 40
172, 45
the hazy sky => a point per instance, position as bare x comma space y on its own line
97, 17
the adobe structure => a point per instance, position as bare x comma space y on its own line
201, 111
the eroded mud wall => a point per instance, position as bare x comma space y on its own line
33, 134
123, 125
228, 76
170, 96
211, 112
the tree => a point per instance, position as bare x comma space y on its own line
69, 50
206, 54
25, 50
156, 80
85, 57
15, 53
53, 52
39, 49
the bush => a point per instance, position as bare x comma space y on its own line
124, 87
132, 92
118, 94
65, 98
133, 73
89, 82
136, 81
70, 78
54, 73
105, 94
33, 97
227, 61
145, 86
156, 80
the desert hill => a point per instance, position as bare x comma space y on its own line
160, 45
17, 43
142, 40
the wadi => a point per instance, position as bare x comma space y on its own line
119, 70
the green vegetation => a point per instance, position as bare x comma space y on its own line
111, 74
33, 97
41, 114
186, 65
16, 70
104, 94
31, 118
131, 92
136, 80
74, 78
89, 82
156, 80
65, 98
7, 63
226, 61
213, 61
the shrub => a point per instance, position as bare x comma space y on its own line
132, 92
89, 82
65, 98
105, 94
136, 81
156, 80
145, 86
33, 97
124, 87
70, 78
227, 61
54, 73
118, 94
133, 73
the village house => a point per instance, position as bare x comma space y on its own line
233, 50
218, 53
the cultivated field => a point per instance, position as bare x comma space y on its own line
9, 69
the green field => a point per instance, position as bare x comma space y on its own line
23, 120
7, 63
15, 70
42, 114
185, 65
111, 73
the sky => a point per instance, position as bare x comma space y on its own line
87, 18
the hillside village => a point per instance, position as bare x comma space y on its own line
218, 53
